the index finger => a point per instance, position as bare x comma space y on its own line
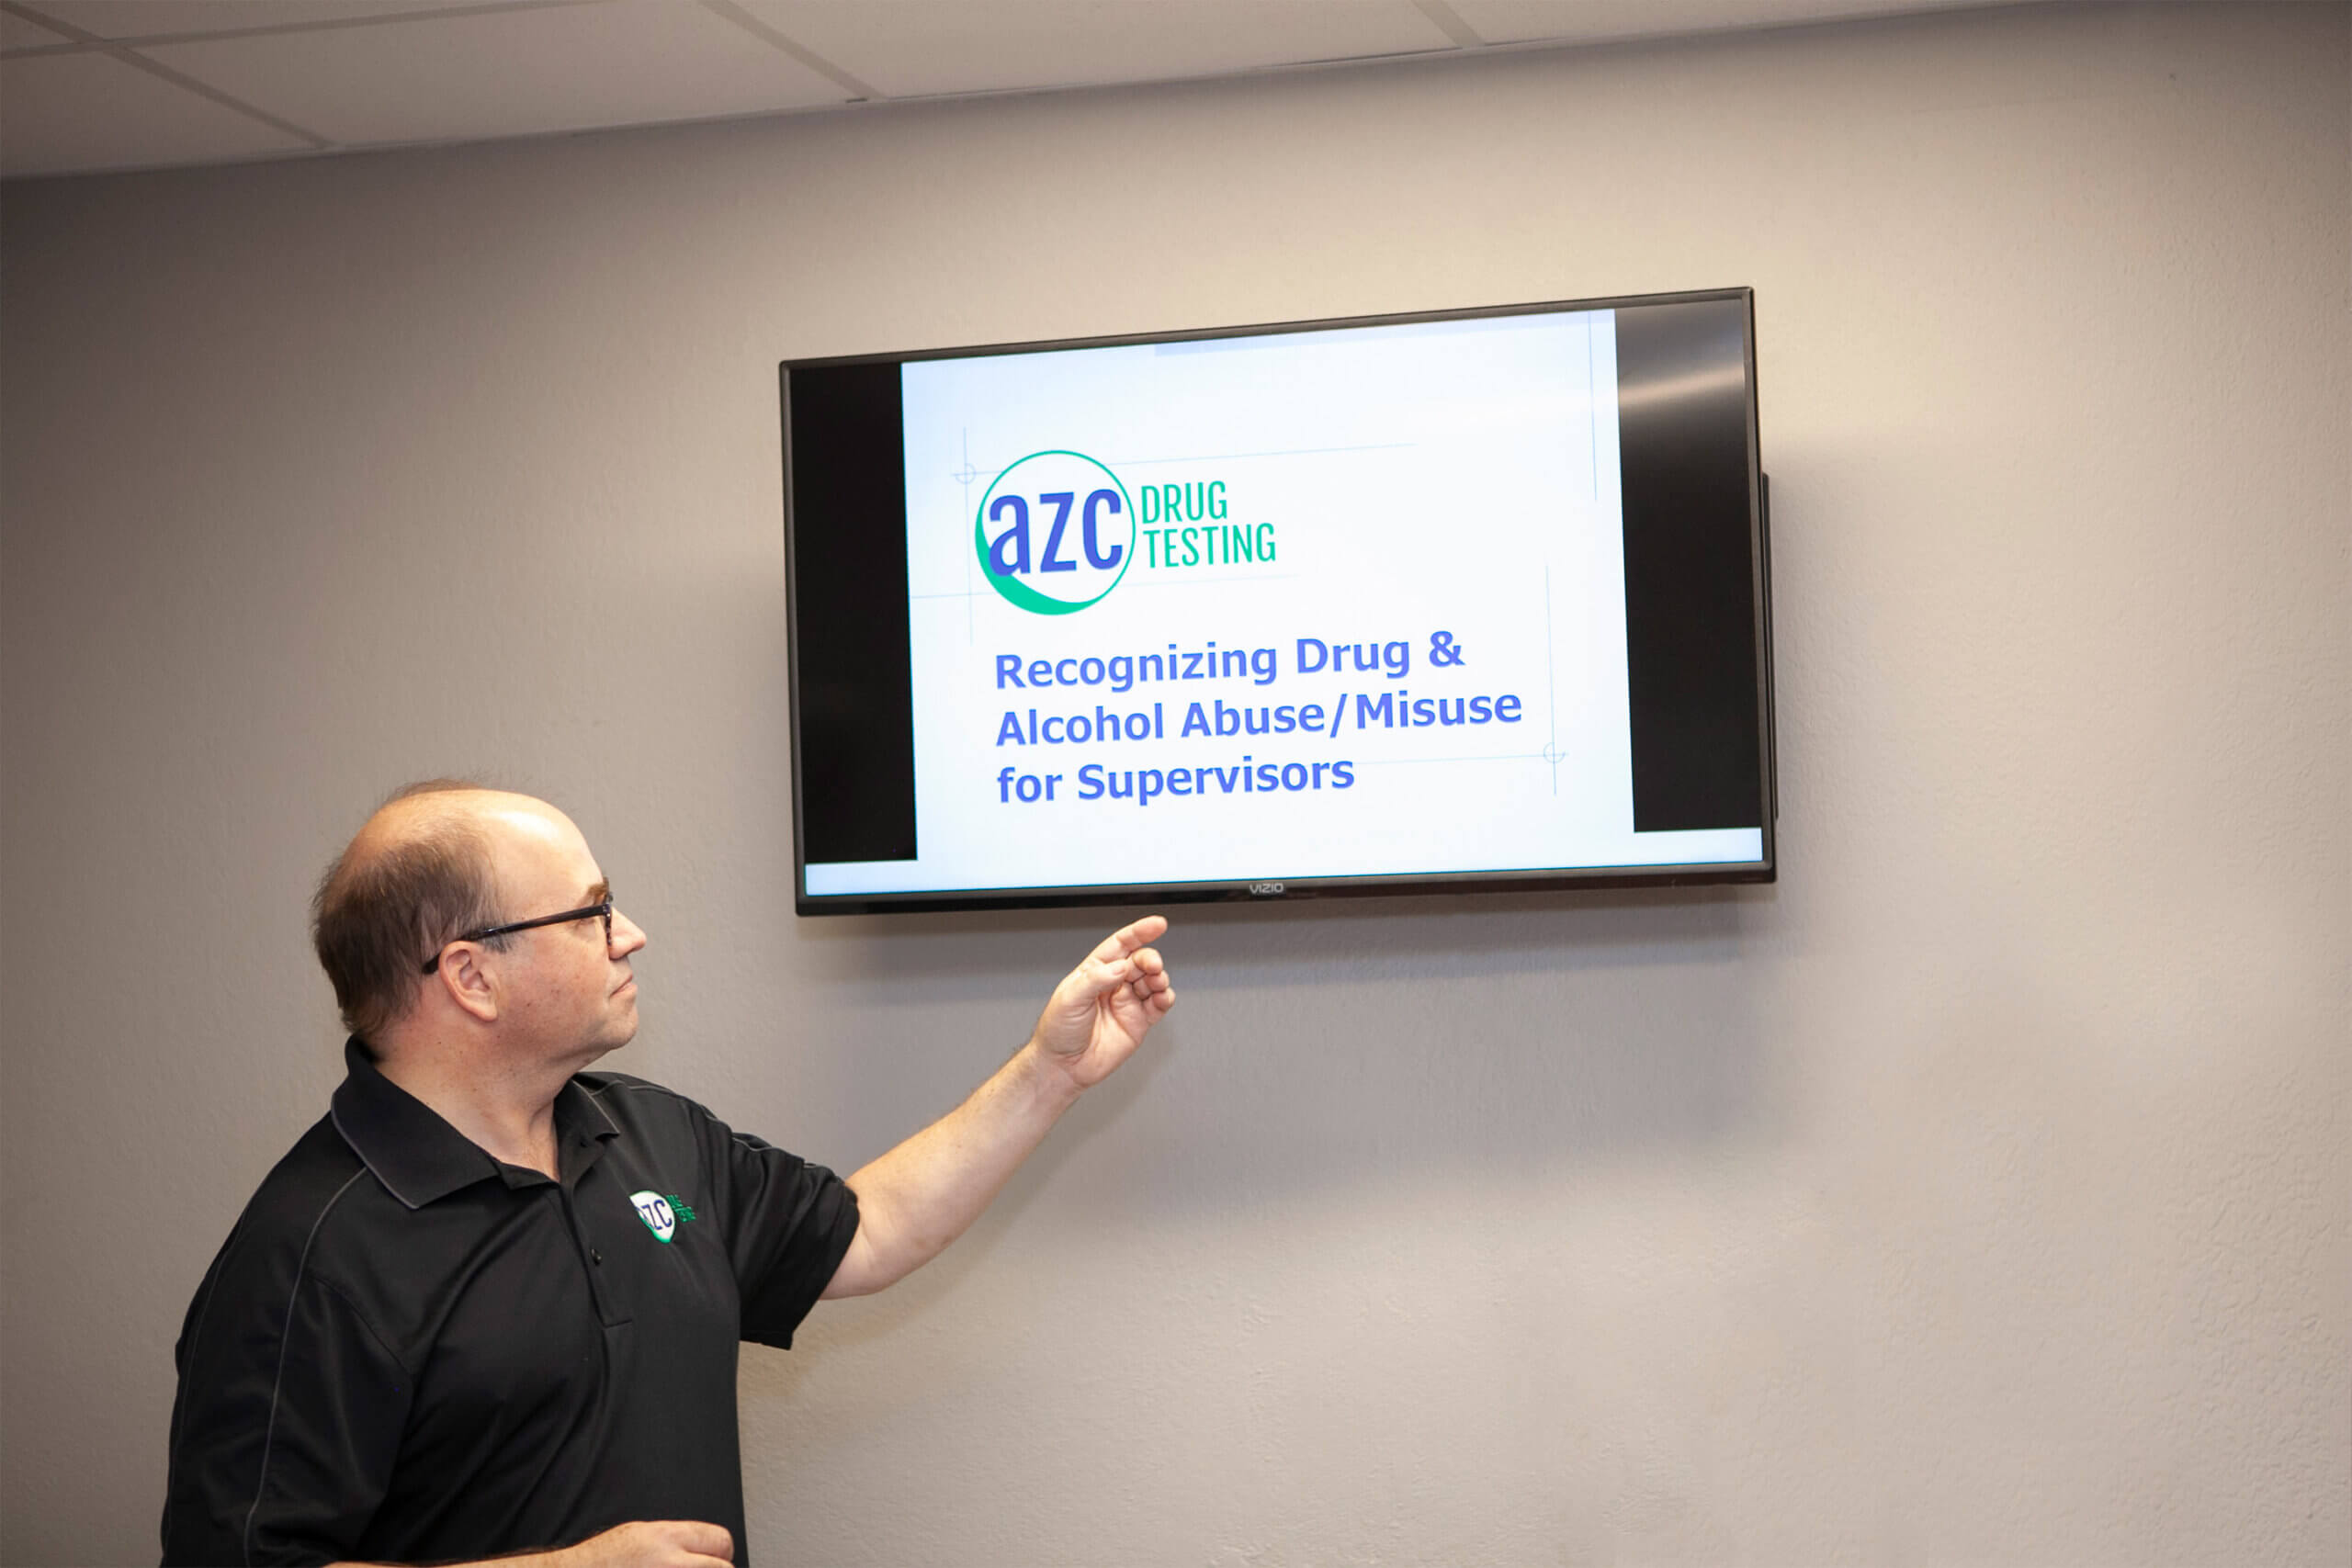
1127, 939
705, 1539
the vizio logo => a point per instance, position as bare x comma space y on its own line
1055, 533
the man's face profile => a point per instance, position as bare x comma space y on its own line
564, 991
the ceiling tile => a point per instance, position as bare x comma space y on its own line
913, 48
506, 72
17, 33
64, 112
164, 19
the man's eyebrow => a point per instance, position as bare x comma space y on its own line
598, 892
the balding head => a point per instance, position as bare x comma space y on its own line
422, 872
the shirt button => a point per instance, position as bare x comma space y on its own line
597, 1256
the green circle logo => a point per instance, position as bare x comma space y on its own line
1055, 533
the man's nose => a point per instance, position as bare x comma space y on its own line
627, 935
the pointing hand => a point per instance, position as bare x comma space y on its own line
1102, 1009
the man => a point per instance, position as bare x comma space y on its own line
491, 1302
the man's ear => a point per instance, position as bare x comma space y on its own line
465, 982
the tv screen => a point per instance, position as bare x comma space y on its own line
1466, 600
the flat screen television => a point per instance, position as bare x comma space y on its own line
1456, 600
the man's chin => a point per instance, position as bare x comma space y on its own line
620, 1034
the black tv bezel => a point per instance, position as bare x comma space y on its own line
1228, 890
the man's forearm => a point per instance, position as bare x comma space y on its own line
645, 1543
927, 1192
924, 1193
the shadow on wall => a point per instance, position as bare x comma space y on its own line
1348, 1041
1320, 1054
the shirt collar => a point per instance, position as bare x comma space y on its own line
419, 1157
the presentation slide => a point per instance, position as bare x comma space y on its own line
1254, 609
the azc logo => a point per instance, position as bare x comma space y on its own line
655, 1210
1055, 533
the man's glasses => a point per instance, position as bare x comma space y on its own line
598, 911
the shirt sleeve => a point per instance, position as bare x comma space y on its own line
288, 1419
787, 1224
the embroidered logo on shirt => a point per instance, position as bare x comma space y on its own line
663, 1215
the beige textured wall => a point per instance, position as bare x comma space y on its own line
1980, 1193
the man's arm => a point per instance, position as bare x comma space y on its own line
923, 1194
647, 1544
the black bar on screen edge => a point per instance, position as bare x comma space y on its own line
855, 744
1682, 410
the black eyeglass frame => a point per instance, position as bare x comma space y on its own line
600, 910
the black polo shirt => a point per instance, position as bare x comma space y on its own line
407, 1351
